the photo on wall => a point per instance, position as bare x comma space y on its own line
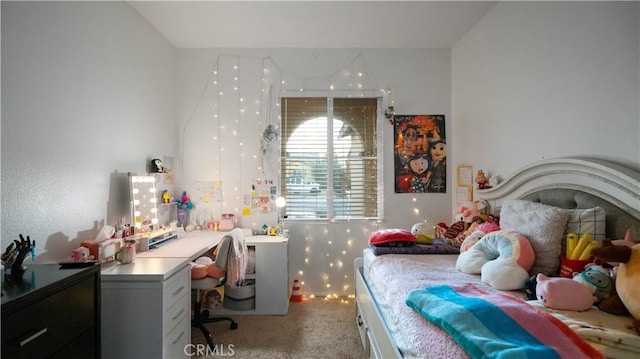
420, 154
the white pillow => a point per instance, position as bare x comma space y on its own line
543, 225
590, 220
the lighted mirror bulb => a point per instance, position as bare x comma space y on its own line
281, 202
136, 191
136, 202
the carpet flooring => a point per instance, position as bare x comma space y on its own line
313, 328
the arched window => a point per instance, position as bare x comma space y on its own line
330, 158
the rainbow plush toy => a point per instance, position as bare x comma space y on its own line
502, 258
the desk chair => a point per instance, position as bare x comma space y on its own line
202, 317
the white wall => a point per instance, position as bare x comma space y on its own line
91, 88
321, 254
88, 89
536, 80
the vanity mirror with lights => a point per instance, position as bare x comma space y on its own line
143, 195
144, 212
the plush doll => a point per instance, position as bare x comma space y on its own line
468, 211
205, 266
596, 278
627, 297
481, 180
81, 254
563, 293
422, 231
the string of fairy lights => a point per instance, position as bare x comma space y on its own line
239, 93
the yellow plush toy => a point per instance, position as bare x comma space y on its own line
423, 233
627, 279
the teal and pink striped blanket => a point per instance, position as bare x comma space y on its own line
497, 325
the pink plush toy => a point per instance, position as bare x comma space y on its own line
205, 266
563, 293
467, 211
81, 254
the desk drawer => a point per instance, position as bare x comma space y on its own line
176, 286
178, 311
44, 327
175, 343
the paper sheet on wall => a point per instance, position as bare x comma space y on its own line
262, 192
207, 191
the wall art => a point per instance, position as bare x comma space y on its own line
420, 147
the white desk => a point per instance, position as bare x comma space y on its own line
189, 246
150, 298
146, 305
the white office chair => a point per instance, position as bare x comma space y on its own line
202, 317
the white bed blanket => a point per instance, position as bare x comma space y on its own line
392, 276
612, 335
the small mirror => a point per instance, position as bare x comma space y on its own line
143, 195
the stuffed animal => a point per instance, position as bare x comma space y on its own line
205, 266
627, 297
479, 231
563, 293
422, 232
481, 180
502, 258
81, 254
597, 280
468, 211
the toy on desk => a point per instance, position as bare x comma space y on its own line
15, 254
81, 254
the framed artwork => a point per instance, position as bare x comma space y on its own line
465, 175
464, 184
420, 154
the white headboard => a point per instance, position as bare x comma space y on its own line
575, 183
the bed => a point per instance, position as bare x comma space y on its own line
389, 328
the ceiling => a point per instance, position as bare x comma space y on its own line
313, 24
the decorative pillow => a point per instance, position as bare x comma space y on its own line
501, 257
392, 238
590, 220
543, 225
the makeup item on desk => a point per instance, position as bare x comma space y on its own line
127, 254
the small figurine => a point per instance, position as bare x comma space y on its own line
166, 197
81, 254
157, 166
482, 180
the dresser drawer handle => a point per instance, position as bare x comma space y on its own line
179, 337
178, 291
179, 314
32, 337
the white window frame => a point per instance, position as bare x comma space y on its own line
380, 120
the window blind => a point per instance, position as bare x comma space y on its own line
330, 157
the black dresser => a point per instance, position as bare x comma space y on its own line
51, 313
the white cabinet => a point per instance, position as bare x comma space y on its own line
271, 277
146, 309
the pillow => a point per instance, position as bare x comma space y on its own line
590, 220
543, 225
392, 238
